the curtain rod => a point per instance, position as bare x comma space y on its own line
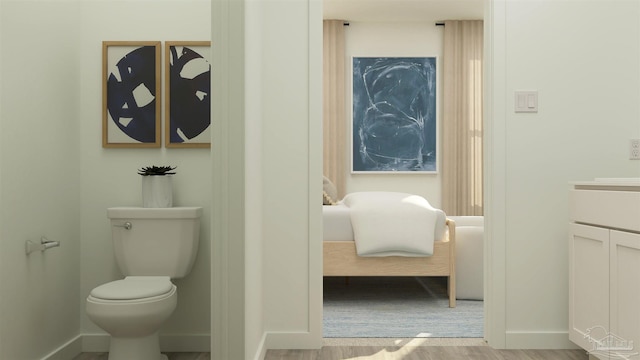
437, 24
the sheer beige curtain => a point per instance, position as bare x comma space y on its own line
462, 118
334, 127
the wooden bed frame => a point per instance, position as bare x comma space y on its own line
340, 259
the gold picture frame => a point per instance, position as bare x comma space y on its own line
187, 94
131, 94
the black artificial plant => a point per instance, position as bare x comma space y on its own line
156, 170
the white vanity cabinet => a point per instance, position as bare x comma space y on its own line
604, 266
624, 286
588, 281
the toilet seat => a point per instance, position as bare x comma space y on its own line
134, 288
133, 324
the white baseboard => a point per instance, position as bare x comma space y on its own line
292, 340
67, 351
551, 340
261, 351
169, 343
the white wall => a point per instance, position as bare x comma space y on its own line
57, 180
267, 289
39, 142
291, 158
539, 154
393, 39
109, 176
589, 91
583, 59
254, 308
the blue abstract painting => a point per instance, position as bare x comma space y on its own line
131, 100
189, 94
394, 114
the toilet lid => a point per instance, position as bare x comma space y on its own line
133, 287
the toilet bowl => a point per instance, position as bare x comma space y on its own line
152, 246
132, 310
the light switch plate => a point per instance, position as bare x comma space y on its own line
526, 101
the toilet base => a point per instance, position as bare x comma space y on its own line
141, 348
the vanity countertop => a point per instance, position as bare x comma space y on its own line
612, 184
607, 202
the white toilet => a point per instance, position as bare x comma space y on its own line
152, 246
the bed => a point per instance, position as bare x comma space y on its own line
340, 257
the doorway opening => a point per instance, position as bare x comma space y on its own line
389, 306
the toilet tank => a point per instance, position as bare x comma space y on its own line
155, 241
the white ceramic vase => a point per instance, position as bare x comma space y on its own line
157, 191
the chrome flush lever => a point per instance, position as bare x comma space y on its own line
127, 225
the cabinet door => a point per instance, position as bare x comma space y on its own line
588, 282
625, 287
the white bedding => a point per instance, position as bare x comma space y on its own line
337, 225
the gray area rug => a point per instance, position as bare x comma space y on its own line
403, 307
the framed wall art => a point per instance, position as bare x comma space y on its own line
394, 115
188, 94
131, 94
